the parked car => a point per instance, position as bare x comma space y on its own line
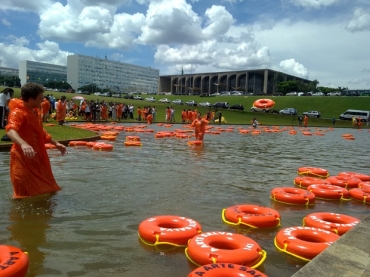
236, 93
237, 107
164, 100
106, 94
138, 97
223, 105
290, 111
205, 104
318, 94
191, 103
293, 93
150, 99
334, 93
312, 114
178, 102
128, 96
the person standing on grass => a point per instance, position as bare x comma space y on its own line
4, 102
61, 108
30, 169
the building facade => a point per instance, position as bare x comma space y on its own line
11, 72
106, 74
259, 81
36, 72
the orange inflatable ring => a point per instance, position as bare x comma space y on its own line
168, 229
293, 196
103, 146
251, 215
224, 247
110, 133
304, 242
132, 143
90, 144
13, 261
344, 181
264, 103
77, 143
336, 223
361, 176
226, 269
305, 181
110, 138
361, 195
195, 142
132, 138
313, 172
364, 185
50, 146
329, 192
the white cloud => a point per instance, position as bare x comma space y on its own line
25, 5
360, 21
219, 21
311, 3
6, 22
294, 68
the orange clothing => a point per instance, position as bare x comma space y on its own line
149, 118
168, 115
305, 121
139, 112
183, 116
29, 176
200, 127
61, 110
190, 116
119, 111
45, 106
104, 112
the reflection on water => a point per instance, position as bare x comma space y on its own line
90, 227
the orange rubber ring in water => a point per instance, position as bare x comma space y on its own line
132, 143
304, 242
329, 192
362, 194
132, 138
13, 261
305, 181
344, 181
195, 142
313, 172
50, 146
336, 223
103, 147
225, 269
168, 229
224, 247
293, 196
77, 143
252, 215
361, 176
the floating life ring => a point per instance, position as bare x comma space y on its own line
251, 215
306, 133
103, 146
361, 194
77, 143
264, 103
110, 133
50, 146
13, 261
293, 196
225, 269
364, 185
132, 143
119, 128
304, 243
132, 138
329, 192
313, 172
361, 176
168, 229
224, 247
195, 142
305, 181
90, 144
347, 182
110, 138
336, 223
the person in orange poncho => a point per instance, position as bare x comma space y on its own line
45, 107
30, 169
61, 108
104, 112
149, 119
200, 126
305, 120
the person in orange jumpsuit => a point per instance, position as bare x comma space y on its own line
104, 112
139, 114
168, 114
305, 120
183, 116
61, 109
200, 126
119, 110
149, 118
30, 169
45, 107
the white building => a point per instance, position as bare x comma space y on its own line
36, 72
117, 76
6, 71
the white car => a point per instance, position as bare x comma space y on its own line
150, 99
164, 100
178, 102
205, 104
334, 93
138, 97
318, 94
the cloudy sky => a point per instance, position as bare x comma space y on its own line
326, 40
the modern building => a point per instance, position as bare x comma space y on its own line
117, 76
11, 72
259, 81
36, 72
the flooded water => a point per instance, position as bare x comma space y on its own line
90, 227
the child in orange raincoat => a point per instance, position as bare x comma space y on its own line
30, 169
200, 126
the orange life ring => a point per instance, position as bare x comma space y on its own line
361, 176
337, 223
50, 146
225, 269
313, 172
329, 192
305, 181
119, 128
195, 142
344, 181
159, 135
304, 242
110, 133
264, 103
77, 143
168, 229
251, 215
103, 146
361, 194
13, 261
293, 196
132, 143
110, 138
90, 144
364, 185
132, 138
224, 247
